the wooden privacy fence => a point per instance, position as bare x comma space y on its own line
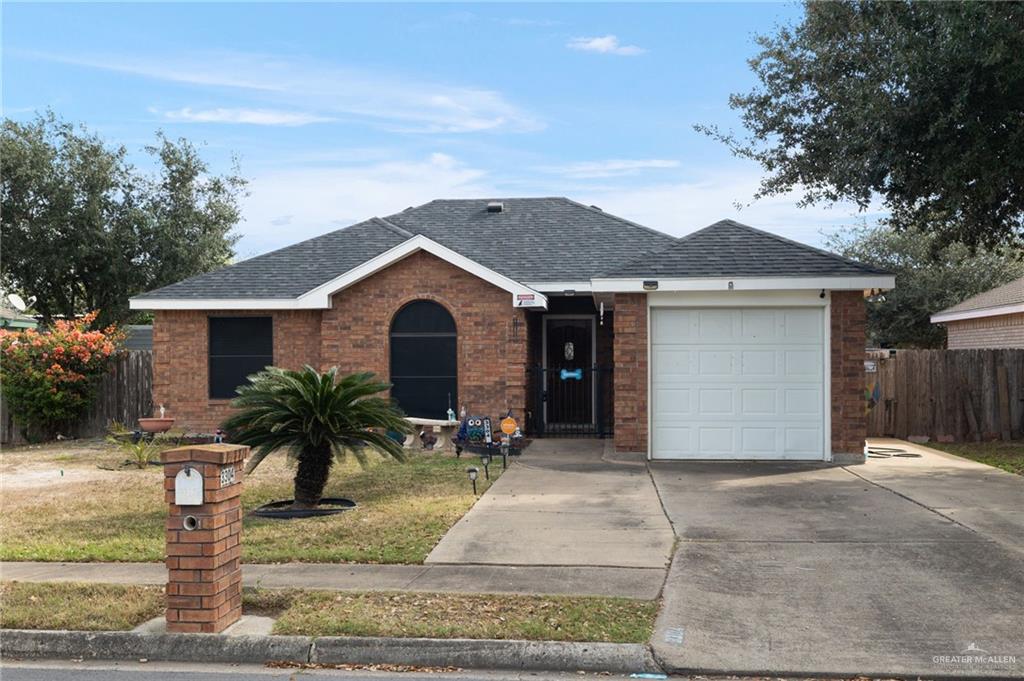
947, 395
124, 394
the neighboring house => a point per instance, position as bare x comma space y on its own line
14, 320
993, 319
729, 343
138, 337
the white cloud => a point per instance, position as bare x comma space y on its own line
686, 206
247, 116
320, 199
608, 44
395, 102
610, 167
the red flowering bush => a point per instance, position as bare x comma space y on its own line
49, 378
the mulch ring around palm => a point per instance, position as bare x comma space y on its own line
283, 510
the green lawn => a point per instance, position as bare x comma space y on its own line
81, 607
323, 613
1006, 455
404, 509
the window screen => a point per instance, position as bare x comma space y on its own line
423, 360
239, 346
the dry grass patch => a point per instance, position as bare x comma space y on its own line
443, 615
404, 510
1006, 455
117, 607
81, 607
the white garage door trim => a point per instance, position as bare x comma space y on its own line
745, 299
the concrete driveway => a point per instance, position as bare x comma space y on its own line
900, 566
565, 503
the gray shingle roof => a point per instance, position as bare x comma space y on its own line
1007, 294
532, 240
730, 249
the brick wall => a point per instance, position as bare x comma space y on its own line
492, 337
181, 364
630, 375
1002, 331
849, 327
353, 334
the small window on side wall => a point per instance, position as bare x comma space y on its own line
239, 346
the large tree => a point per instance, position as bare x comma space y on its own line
917, 104
929, 277
83, 229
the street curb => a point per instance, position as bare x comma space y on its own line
620, 658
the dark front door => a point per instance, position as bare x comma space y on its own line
570, 375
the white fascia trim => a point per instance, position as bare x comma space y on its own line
857, 283
320, 297
941, 317
560, 286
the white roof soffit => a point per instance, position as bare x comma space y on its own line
320, 297
939, 318
845, 283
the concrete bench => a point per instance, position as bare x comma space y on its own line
443, 428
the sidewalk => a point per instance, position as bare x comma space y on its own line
639, 583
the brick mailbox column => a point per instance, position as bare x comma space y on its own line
203, 487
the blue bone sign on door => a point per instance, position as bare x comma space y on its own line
575, 374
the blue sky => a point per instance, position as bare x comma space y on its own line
340, 112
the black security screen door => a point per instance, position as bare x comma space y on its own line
239, 346
570, 381
423, 360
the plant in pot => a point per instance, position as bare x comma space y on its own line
315, 418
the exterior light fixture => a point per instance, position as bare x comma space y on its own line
485, 459
472, 471
650, 285
569, 292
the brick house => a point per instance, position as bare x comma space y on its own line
729, 343
993, 319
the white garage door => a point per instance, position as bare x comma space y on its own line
737, 383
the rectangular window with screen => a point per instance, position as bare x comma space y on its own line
239, 346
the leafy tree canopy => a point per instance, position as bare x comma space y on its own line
920, 104
83, 229
929, 277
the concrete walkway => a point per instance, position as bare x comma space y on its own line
564, 503
891, 568
588, 581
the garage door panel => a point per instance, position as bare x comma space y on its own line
802, 325
738, 383
674, 442
715, 402
676, 328
717, 363
673, 362
672, 402
759, 363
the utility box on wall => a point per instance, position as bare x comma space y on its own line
203, 488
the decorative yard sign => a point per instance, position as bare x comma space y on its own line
509, 425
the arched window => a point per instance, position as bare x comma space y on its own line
423, 360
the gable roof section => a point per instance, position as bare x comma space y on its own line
320, 296
534, 240
532, 245
1005, 299
291, 271
731, 249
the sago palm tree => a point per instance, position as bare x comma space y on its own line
314, 418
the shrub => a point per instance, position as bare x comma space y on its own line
49, 378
